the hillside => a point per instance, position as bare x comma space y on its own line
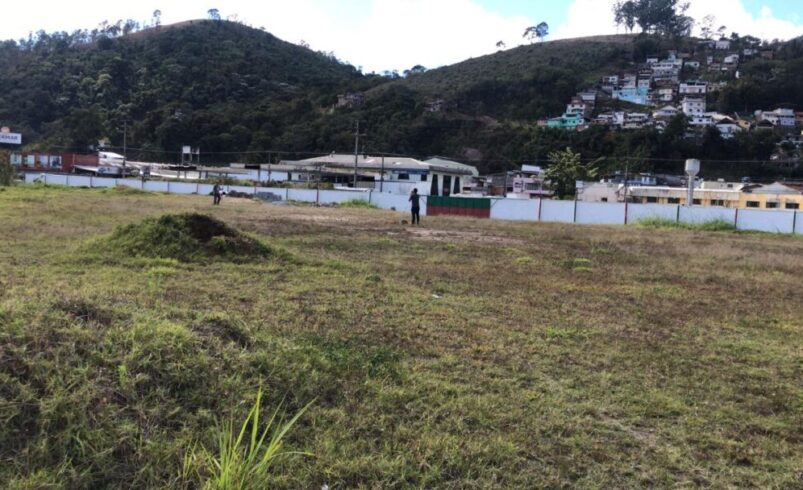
240, 93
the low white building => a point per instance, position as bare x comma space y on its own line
692, 87
666, 112
780, 117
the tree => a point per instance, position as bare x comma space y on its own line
157, 18
662, 17
214, 14
542, 30
565, 169
625, 14
707, 27
501, 45
536, 32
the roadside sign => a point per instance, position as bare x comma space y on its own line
11, 138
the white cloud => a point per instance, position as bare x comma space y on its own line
733, 15
594, 17
380, 34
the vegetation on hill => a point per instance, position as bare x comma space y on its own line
239, 93
463, 354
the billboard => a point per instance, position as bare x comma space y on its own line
10, 138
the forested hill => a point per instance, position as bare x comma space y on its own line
202, 82
239, 92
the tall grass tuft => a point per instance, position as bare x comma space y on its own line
244, 458
712, 225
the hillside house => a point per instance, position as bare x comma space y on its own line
666, 112
589, 97
437, 105
693, 87
635, 120
694, 65
799, 118
634, 95
723, 44
780, 117
610, 80
767, 54
651, 60
726, 126
572, 122
748, 52
350, 100
693, 106
664, 94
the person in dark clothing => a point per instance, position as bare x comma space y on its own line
216, 194
415, 208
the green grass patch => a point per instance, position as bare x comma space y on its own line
712, 225
357, 203
183, 237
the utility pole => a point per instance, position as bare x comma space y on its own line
356, 151
125, 144
382, 175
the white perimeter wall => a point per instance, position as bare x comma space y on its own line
515, 209
638, 212
771, 221
557, 211
600, 213
774, 221
704, 215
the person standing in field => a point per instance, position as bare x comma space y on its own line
216, 194
415, 208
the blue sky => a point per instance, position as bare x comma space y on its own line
380, 35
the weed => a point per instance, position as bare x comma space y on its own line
357, 203
712, 225
244, 458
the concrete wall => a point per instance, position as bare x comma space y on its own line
771, 221
333, 197
600, 213
638, 212
557, 211
703, 214
306, 195
515, 209
774, 221
155, 186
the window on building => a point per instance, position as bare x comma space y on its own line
404, 177
717, 202
792, 205
604, 199
772, 204
673, 200
697, 202
651, 199
423, 177
753, 204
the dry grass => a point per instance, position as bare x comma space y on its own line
464, 354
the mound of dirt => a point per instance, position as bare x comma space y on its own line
185, 237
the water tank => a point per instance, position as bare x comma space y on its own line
692, 167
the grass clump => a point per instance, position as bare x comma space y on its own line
184, 237
712, 225
244, 458
124, 190
357, 203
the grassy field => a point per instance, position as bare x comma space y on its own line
462, 354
